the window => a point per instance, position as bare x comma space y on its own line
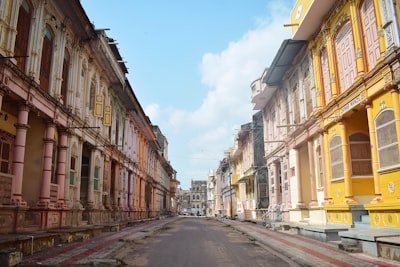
92, 95
320, 167
72, 171
296, 106
346, 56
5, 153
370, 31
96, 178
23, 28
263, 190
336, 157
360, 152
307, 92
47, 53
326, 80
386, 136
65, 75
198, 197
85, 173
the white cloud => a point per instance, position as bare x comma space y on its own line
227, 105
152, 111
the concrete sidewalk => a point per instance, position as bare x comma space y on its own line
305, 251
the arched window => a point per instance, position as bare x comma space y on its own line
336, 157
65, 75
47, 53
346, 56
360, 152
326, 79
370, 31
386, 136
22, 38
92, 95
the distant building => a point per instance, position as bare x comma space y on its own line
184, 201
198, 197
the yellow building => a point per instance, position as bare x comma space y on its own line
355, 51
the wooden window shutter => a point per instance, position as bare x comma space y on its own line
107, 115
98, 106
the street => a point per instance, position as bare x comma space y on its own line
188, 241
197, 241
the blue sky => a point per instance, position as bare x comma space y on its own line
191, 64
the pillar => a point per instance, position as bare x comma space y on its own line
130, 191
44, 199
317, 77
116, 187
347, 173
19, 156
106, 181
300, 202
313, 187
374, 153
90, 196
396, 105
328, 174
61, 160
331, 62
357, 39
381, 32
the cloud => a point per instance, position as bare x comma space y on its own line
152, 111
207, 131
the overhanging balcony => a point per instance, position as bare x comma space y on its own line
309, 17
260, 93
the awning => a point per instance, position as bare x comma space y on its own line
283, 61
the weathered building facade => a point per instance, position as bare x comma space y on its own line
76, 145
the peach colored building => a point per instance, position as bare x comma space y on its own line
76, 146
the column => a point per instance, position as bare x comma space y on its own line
300, 202
92, 166
19, 156
348, 183
374, 152
331, 62
396, 105
381, 32
317, 77
61, 159
357, 39
44, 199
130, 191
116, 186
313, 187
106, 181
326, 157
273, 196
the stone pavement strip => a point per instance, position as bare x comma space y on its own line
306, 251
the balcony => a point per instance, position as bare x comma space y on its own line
260, 93
307, 17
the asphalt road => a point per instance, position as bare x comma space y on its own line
197, 242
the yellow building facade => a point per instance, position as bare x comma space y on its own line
355, 52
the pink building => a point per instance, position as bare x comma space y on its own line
76, 147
